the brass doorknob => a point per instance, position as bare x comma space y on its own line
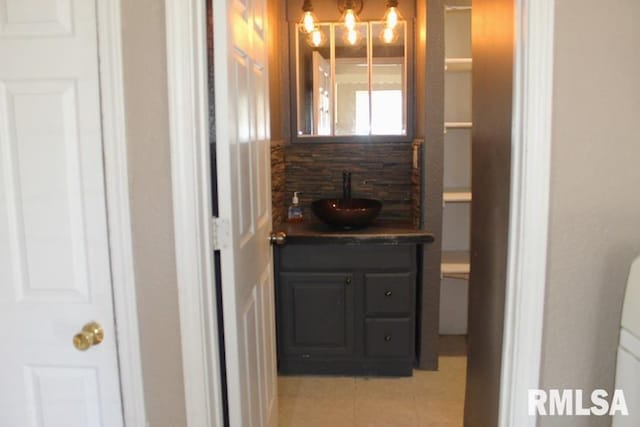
91, 334
278, 238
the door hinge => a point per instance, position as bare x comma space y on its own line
220, 233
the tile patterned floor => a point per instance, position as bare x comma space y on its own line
427, 399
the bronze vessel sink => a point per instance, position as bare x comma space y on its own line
347, 213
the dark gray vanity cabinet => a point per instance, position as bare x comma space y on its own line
346, 308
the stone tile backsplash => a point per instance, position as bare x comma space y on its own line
380, 171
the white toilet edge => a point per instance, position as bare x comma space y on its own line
630, 342
631, 309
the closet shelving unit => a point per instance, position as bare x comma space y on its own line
457, 195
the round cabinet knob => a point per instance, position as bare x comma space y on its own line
388, 293
91, 334
387, 338
347, 280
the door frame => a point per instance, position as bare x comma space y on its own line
195, 231
529, 210
118, 211
193, 226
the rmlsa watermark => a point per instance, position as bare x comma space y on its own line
570, 402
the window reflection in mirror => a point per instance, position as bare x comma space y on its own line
388, 83
351, 81
351, 84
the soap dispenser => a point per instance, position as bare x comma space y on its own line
295, 210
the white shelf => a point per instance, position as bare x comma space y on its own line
459, 195
457, 8
458, 64
456, 265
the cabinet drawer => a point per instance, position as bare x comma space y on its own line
340, 257
389, 293
389, 338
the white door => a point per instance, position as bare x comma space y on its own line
244, 185
54, 258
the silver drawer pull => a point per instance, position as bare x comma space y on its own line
387, 338
388, 293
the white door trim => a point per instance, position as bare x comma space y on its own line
118, 211
530, 169
188, 117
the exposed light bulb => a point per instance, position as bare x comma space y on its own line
352, 37
308, 23
388, 35
392, 17
350, 19
309, 20
316, 38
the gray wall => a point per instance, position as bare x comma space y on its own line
594, 229
152, 222
492, 40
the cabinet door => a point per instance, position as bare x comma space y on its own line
317, 313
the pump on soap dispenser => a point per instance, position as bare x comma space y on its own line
295, 210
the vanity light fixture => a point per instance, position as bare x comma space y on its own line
350, 10
309, 20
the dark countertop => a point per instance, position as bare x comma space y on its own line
380, 232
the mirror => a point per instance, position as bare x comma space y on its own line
351, 87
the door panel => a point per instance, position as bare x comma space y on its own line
244, 189
54, 259
35, 18
269, 360
39, 276
53, 387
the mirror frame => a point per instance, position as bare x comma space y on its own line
409, 96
